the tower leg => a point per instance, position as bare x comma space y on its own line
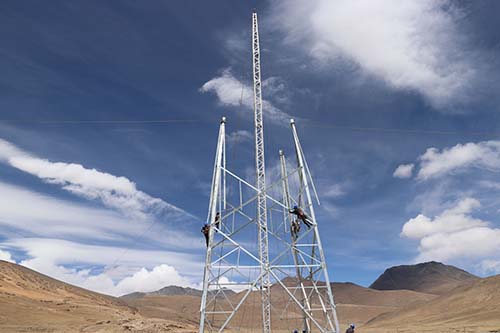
212, 211
329, 308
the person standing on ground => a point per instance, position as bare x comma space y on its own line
351, 329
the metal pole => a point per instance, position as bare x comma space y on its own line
302, 171
212, 210
287, 202
265, 284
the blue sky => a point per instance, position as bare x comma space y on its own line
397, 109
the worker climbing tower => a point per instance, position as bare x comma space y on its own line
265, 269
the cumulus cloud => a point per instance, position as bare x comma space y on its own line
96, 267
404, 171
454, 235
113, 191
5, 255
143, 280
435, 162
451, 220
411, 45
232, 92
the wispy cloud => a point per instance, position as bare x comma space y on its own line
115, 192
51, 217
410, 45
94, 248
239, 137
118, 248
232, 92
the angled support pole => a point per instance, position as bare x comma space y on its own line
286, 200
330, 308
212, 211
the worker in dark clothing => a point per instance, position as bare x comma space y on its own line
217, 221
351, 328
206, 231
302, 216
295, 229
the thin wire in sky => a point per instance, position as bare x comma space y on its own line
306, 123
398, 130
97, 122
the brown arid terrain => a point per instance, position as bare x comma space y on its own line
354, 304
472, 307
33, 302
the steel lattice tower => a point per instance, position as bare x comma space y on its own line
261, 179
279, 272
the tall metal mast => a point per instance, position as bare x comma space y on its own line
261, 180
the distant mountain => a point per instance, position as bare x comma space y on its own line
171, 291
476, 304
430, 277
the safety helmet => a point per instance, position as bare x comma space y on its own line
353, 326
295, 207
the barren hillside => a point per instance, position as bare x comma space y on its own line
33, 302
355, 304
474, 307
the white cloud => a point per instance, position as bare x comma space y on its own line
333, 191
451, 220
239, 136
113, 191
490, 266
404, 171
151, 280
5, 255
454, 235
142, 280
473, 243
435, 163
411, 45
232, 92
122, 270
64, 252
51, 217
